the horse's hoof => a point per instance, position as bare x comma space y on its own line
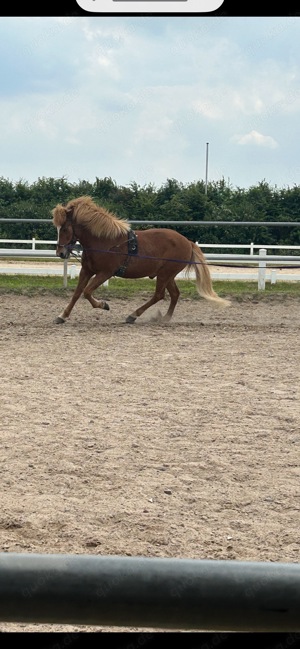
106, 306
131, 319
59, 320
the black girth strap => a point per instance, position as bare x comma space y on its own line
132, 250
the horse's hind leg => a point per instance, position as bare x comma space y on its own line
174, 293
158, 295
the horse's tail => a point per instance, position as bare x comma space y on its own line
203, 277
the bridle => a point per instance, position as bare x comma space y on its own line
71, 245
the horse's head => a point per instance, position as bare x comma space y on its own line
66, 238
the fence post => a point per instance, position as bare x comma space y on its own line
262, 270
33, 243
73, 271
251, 248
65, 273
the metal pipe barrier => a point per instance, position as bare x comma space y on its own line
153, 593
290, 224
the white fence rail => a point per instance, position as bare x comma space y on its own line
33, 243
263, 267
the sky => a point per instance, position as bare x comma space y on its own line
146, 99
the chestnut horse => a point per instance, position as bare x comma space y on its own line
110, 247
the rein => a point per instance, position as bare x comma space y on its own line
133, 251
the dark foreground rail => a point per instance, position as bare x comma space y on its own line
151, 593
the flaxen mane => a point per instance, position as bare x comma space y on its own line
98, 220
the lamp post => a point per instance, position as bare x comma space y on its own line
206, 167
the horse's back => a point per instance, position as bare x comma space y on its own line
164, 239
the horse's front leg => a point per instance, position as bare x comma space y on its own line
94, 282
83, 279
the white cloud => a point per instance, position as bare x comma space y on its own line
257, 139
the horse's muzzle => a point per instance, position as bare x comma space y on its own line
63, 252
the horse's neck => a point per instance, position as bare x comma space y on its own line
84, 236
89, 240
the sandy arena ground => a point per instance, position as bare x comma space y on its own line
157, 440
